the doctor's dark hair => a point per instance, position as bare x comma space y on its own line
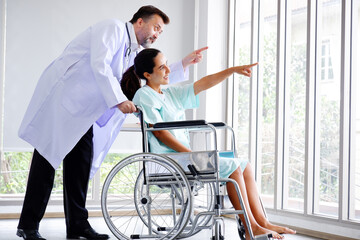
147, 12
131, 80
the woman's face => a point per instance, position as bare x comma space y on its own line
160, 75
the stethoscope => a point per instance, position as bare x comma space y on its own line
128, 49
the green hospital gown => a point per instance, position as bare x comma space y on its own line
171, 106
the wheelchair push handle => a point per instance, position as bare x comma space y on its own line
217, 124
188, 123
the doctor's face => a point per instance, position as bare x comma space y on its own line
149, 30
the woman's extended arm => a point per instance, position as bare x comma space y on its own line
169, 140
213, 79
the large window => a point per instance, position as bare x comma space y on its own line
304, 138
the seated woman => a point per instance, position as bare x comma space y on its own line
169, 104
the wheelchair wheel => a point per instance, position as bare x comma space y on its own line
146, 196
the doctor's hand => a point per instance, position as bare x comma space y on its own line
194, 57
127, 107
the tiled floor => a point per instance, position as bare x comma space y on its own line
54, 229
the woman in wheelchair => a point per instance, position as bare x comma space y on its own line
168, 104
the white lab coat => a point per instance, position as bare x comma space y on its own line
77, 88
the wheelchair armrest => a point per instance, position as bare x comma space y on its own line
217, 124
180, 124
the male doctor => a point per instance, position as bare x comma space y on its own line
77, 111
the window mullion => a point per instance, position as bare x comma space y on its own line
354, 113
280, 107
254, 101
231, 119
345, 111
310, 108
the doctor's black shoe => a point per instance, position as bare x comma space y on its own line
29, 234
88, 233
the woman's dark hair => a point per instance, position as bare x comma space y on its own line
147, 12
144, 62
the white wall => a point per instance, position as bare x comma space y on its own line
213, 32
37, 31
213, 17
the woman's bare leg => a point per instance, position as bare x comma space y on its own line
256, 228
255, 204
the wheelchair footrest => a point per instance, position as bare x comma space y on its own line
154, 236
263, 237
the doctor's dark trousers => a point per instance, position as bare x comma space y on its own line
76, 171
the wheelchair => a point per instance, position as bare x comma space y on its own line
170, 196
